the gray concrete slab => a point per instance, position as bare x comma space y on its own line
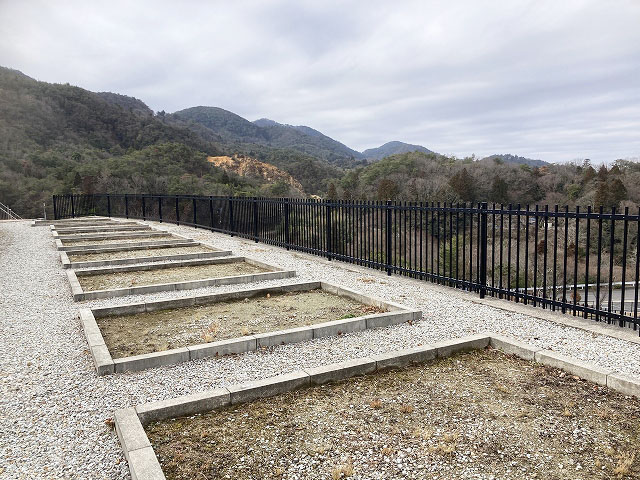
408, 356
268, 387
339, 371
587, 371
184, 406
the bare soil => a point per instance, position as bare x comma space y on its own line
165, 329
166, 275
90, 241
477, 415
149, 252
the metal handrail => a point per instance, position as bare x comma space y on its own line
10, 214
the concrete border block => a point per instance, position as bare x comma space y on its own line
339, 327
79, 250
136, 363
92, 264
130, 432
624, 384
513, 347
222, 347
280, 337
183, 406
573, 366
268, 387
144, 465
447, 348
339, 371
407, 356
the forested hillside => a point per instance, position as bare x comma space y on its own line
60, 138
425, 177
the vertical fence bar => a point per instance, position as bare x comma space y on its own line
287, 240
328, 228
55, 207
483, 250
211, 223
575, 263
598, 267
586, 262
144, 208
126, 205
255, 219
73, 207
160, 207
195, 215
177, 210
108, 205
564, 256
624, 264
611, 253
388, 229
231, 220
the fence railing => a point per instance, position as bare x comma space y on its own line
582, 262
7, 214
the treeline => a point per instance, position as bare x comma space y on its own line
431, 177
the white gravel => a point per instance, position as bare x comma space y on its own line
53, 406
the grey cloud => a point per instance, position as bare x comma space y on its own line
551, 80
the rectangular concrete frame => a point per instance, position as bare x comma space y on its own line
119, 232
66, 263
143, 462
128, 246
394, 314
80, 295
75, 221
174, 240
110, 228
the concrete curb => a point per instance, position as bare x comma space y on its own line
80, 295
395, 314
134, 439
128, 227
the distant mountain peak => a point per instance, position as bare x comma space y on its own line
392, 148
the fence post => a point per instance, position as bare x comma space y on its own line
286, 222
108, 205
211, 212
73, 207
144, 208
232, 227
483, 249
195, 215
55, 207
255, 219
160, 208
389, 230
126, 205
177, 212
328, 242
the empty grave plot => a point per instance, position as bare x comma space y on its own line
109, 241
179, 273
144, 335
465, 416
180, 327
149, 252
121, 280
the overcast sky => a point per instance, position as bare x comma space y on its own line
555, 80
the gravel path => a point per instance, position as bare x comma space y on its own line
53, 407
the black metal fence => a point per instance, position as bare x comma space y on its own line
582, 262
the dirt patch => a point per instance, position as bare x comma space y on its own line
149, 252
477, 415
165, 329
88, 241
109, 281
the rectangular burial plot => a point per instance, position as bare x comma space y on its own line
131, 247
88, 238
465, 416
159, 333
118, 281
115, 228
89, 244
148, 255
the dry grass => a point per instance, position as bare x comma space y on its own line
343, 471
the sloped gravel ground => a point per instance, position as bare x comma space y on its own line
53, 407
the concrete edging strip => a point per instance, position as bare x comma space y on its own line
149, 466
